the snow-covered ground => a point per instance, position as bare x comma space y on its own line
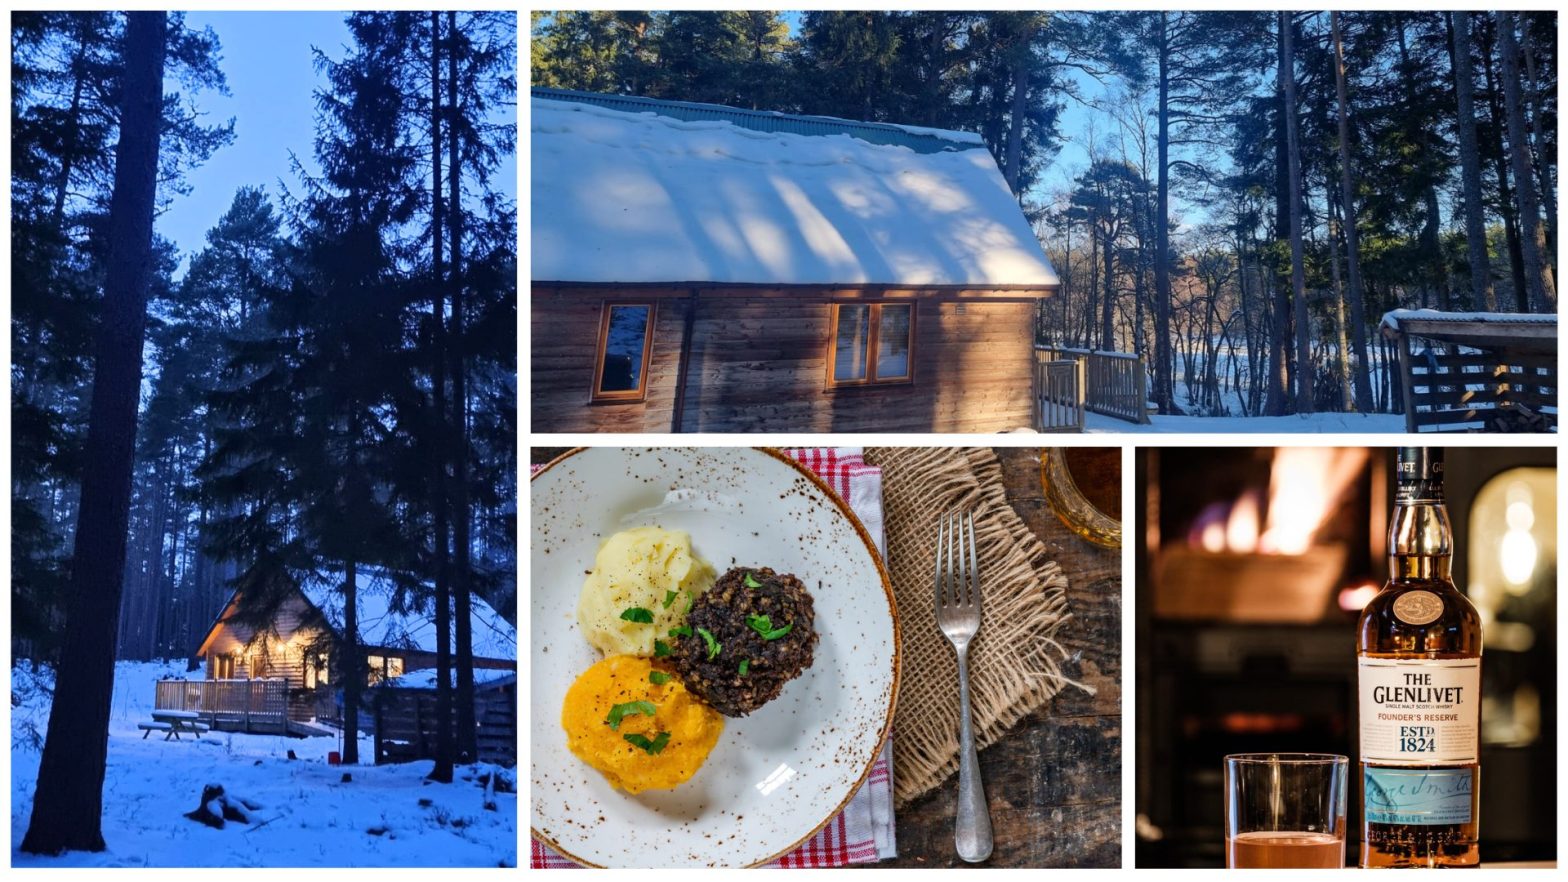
386, 816
1300, 424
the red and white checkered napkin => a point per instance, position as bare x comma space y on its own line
863, 832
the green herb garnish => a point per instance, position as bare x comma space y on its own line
764, 625
682, 631
713, 645
690, 596
658, 678
751, 582
657, 745
669, 598
745, 665
630, 708
638, 614
660, 649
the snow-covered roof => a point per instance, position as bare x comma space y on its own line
1393, 318
426, 678
650, 198
382, 624
1514, 332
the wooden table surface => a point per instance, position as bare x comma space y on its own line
1054, 782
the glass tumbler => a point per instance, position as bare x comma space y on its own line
1285, 810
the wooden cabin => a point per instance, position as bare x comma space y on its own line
285, 675
1475, 372
698, 268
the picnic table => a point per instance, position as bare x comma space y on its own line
172, 723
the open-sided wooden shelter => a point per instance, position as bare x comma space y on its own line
1475, 372
706, 268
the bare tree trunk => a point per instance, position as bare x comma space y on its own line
1482, 294
1298, 276
1162, 244
353, 671
1505, 197
1276, 402
1431, 228
1108, 305
1015, 129
462, 585
445, 747
1347, 186
1244, 305
68, 799
1067, 273
1342, 341
1093, 294
1544, 160
1532, 237
1210, 383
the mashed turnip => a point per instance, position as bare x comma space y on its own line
636, 723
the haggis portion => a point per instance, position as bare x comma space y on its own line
751, 633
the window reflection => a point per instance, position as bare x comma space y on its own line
625, 339
853, 343
893, 342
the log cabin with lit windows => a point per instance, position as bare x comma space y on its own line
284, 676
698, 268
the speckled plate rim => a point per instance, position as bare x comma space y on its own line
898, 648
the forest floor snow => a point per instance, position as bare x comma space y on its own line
1292, 424
386, 816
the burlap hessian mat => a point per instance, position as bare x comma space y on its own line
1014, 662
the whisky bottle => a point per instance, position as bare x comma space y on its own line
1418, 649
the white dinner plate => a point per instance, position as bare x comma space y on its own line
776, 776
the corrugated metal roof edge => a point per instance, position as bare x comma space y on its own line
766, 120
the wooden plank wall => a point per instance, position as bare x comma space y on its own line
759, 363
1463, 391
565, 342
405, 724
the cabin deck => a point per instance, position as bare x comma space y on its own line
261, 706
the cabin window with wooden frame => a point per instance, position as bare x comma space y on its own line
315, 669
871, 344
383, 668
625, 347
223, 667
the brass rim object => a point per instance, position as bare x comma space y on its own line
1075, 510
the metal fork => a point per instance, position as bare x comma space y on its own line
958, 615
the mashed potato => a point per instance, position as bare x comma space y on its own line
639, 569
693, 728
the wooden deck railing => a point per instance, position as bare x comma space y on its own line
1114, 383
262, 704
1058, 396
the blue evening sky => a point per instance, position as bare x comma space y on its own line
268, 60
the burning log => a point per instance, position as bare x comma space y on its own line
1264, 557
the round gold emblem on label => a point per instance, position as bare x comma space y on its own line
1418, 607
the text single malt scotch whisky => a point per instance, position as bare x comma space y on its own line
1418, 650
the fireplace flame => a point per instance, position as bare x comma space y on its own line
1305, 486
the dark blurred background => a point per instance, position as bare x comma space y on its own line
1252, 566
